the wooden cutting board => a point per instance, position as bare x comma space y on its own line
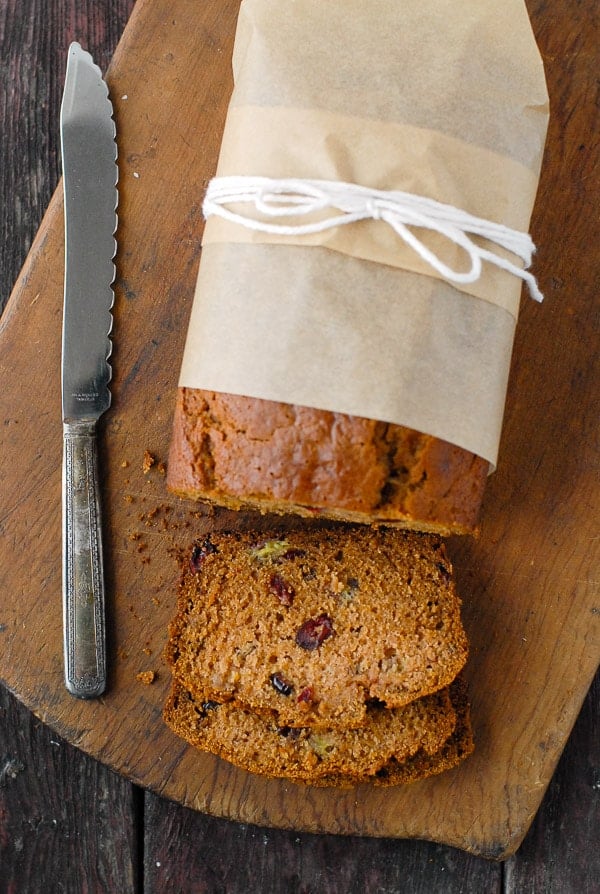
531, 606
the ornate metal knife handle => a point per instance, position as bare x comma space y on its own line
83, 572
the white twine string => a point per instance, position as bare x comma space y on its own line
274, 199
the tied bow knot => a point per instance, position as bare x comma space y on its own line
348, 203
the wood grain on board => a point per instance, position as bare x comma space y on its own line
531, 605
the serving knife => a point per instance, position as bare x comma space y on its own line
89, 155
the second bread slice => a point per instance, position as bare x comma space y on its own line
260, 746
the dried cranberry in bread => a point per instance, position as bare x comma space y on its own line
259, 745
242, 452
310, 627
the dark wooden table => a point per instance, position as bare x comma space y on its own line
67, 824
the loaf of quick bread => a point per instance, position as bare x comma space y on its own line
242, 452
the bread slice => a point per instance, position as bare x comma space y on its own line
382, 753
259, 745
311, 626
242, 452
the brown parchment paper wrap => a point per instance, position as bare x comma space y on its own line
441, 99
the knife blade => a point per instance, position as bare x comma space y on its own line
89, 155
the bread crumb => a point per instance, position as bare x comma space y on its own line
146, 677
148, 462
128, 498
124, 464
162, 468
